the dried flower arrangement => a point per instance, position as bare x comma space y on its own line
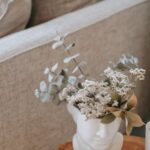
112, 96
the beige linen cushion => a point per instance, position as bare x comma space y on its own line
14, 15
44, 10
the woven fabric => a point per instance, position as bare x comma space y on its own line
15, 17
44, 10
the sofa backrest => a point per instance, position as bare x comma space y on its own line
45, 10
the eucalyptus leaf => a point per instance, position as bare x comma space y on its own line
54, 68
57, 44
50, 77
78, 66
72, 80
57, 38
65, 35
75, 69
69, 47
53, 89
46, 71
68, 59
128, 61
56, 100
59, 80
43, 86
45, 97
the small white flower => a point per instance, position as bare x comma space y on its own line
65, 94
119, 81
104, 97
138, 73
115, 103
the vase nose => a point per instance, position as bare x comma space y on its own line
102, 131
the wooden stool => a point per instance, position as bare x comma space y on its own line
130, 143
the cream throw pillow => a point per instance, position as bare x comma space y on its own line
14, 15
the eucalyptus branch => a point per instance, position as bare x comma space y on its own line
106, 99
75, 61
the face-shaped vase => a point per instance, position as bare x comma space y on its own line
94, 134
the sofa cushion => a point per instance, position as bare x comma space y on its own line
44, 10
14, 15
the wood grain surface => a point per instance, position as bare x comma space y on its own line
130, 143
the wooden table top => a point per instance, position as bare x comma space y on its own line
130, 143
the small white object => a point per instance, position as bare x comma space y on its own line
54, 68
57, 44
46, 71
75, 69
68, 59
148, 136
43, 86
57, 38
115, 103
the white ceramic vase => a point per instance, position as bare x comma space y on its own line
93, 135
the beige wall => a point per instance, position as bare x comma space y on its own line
26, 123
